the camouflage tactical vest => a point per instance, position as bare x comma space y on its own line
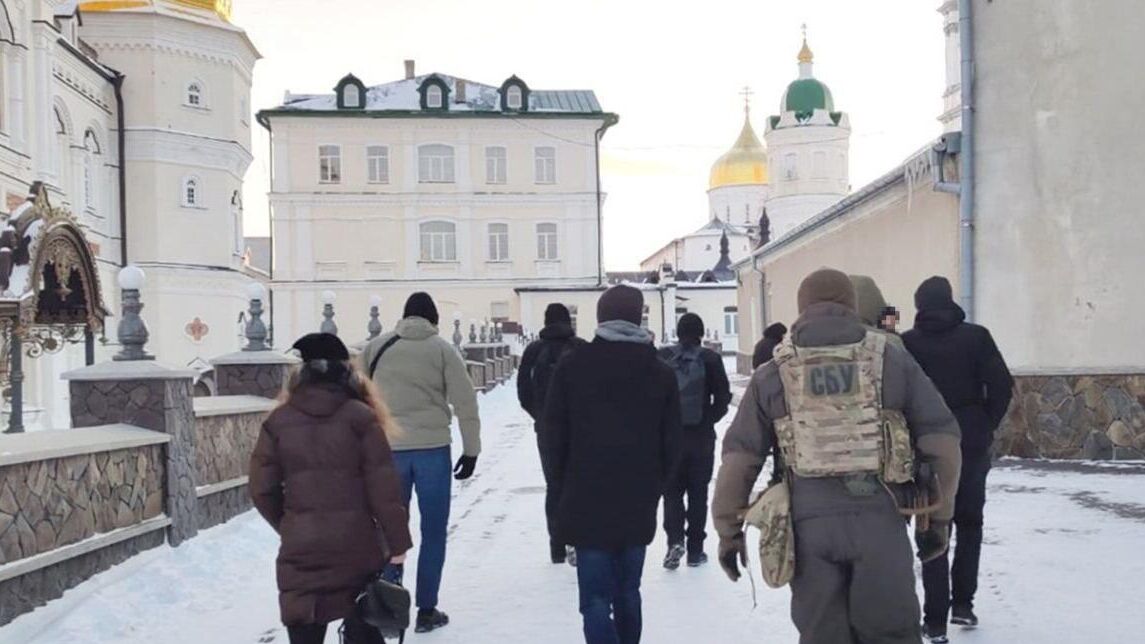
835, 425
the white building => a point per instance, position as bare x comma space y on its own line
134, 114
431, 183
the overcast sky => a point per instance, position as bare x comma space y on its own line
673, 76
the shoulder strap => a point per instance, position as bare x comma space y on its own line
385, 347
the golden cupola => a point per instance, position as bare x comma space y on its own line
743, 165
221, 8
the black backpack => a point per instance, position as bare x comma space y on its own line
691, 378
547, 359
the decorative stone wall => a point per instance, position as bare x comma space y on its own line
264, 380
223, 445
223, 506
29, 591
1076, 416
57, 502
155, 403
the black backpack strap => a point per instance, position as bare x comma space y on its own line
385, 347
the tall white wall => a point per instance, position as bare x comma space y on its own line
739, 205
810, 168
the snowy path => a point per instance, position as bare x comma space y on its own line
1063, 563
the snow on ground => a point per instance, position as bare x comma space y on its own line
1062, 563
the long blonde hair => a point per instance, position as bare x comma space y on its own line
349, 376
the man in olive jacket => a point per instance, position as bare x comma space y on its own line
421, 376
854, 576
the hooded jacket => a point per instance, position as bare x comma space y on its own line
752, 434
555, 340
869, 304
323, 476
963, 361
422, 376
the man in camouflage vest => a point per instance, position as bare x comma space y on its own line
820, 401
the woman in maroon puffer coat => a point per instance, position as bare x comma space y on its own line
323, 476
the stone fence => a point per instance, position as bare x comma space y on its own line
489, 364
226, 429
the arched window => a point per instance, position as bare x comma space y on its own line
351, 95
192, 194
90, 171
237, 221
513, 100
438, 241
433, 97
435, 163
195, 93
63, 157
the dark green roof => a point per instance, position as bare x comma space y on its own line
806, 95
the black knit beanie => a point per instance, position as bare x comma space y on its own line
321, 346
775, 332
690, 328
557, 313
621, 303
421, 305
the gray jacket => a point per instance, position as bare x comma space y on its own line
752, 434
421, 376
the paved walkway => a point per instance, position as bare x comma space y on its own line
1063, 563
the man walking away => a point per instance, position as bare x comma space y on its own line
704, 398
425, 381
537, 366
969, 371
853, 576
870, 304
612, 428
765, 348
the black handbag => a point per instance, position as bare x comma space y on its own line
385, 606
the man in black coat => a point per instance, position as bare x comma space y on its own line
704, 398
538, 363
765, 348
612, 431
969, 371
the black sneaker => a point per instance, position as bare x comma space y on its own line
696, 559
558, 553
430, 620
935, 633
963, 616
675, 554
570, 555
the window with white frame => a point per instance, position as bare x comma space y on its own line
513, 98
546, 164
498, 242
547, 242
195, 94
351, 95
435, 163
329, 164
496, 165
378, 164
433, 96
192, 193
731, 321
438, 241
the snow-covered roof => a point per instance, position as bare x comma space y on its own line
403, 96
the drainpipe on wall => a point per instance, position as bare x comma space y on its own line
966, 160
264, 121
121, 119
609, 121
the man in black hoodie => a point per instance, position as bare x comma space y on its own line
538, 363
612, 430
704, 398
765, 348
969, 371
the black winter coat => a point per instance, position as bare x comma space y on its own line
764, 351
557, 339
611, 433
966, 367
718, 388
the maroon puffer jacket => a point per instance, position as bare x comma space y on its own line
323, 476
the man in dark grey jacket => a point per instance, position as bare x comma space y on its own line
854, 578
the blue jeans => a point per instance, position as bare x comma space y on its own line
429, 471
610, 594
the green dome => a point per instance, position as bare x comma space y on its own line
806, 95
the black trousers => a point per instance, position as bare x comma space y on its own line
946, 585
690, 479
356, 632
552, 498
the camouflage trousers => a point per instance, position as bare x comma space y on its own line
854, 580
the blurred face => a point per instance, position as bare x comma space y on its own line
890, 322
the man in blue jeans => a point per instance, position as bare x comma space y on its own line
611, 435
424, 380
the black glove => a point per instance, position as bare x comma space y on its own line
933, 542
464, 468
731, 550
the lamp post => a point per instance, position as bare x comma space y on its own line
374, 328
256, 333
328, 325
132, 330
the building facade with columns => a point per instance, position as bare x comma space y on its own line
433, 183
135, 118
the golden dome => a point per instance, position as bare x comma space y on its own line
744, 164
220, 7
